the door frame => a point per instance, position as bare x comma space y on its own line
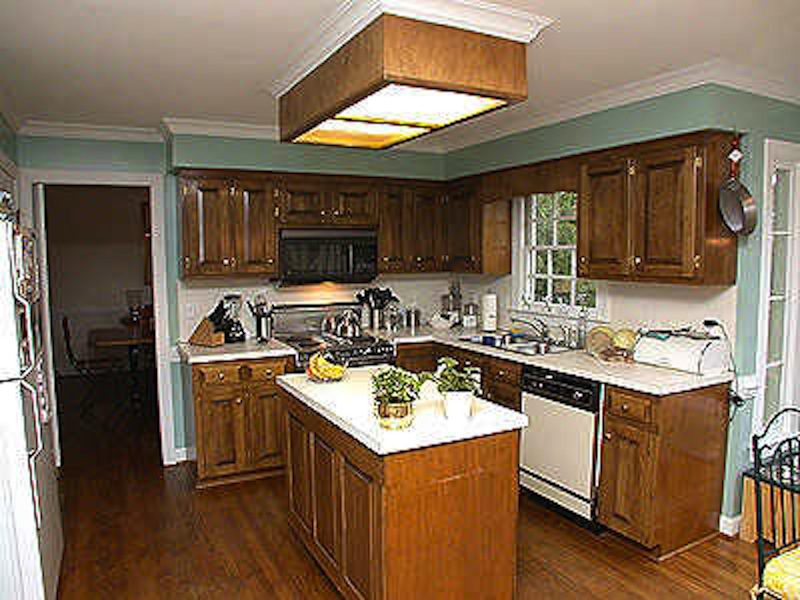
155, 184
786, 155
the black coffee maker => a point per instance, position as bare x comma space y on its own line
225, 318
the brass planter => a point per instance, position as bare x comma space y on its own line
394, 415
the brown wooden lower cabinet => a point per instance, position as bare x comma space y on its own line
417, 357
437, 522
237, 418
663, 465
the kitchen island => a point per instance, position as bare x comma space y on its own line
426, 512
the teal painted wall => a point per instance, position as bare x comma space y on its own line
697, 108
235, 153
708, 106
8, 140
90, 155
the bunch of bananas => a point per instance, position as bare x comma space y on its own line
321, 368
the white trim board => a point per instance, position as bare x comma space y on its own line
155, 182
730, 525
56, 129
355, 15
178, 126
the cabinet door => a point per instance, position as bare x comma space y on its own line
222, 446
325, 498
298, 471
604, 243
665, 212
627, 481
303, 201
423, 212
254, 239
354, 204
462, 215
359, 506
392, 258
506, 394
262, 426
207, 224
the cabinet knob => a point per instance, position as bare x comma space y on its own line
269, 374
322, 213
607, 436
419, 259
385, 259
270, 261
637, 260
220, 376
583, 260
624, 408
226, 261
239, 400
233, 261
501, 373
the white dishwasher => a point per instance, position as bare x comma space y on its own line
559, 457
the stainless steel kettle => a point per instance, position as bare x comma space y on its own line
348, 325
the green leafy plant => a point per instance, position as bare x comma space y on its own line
395, 385
449, 378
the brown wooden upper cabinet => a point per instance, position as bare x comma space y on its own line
228, 226
424, 236
391, 255
462, 219
648, 213
307, 200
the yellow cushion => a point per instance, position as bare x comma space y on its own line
782, 575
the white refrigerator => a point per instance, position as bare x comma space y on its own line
31, 539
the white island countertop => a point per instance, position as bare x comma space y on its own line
348, 404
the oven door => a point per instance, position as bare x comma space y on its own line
336, 255
557, 456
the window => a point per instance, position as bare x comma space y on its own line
780, 310
545, 267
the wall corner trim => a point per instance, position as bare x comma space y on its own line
729, 526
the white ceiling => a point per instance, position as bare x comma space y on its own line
130, 63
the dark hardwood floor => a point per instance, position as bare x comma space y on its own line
136, 530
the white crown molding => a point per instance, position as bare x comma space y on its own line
89, 132
178, 126
354, 15
530, 116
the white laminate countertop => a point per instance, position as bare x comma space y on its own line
647, 379
348, 404
247, 350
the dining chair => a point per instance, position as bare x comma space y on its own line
89, 369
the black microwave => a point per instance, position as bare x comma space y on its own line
336, 255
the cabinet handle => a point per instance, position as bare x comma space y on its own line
233, 261
583, 260
698, 260
232, 190
632, 170
187, 262
607, 436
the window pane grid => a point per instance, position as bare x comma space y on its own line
550, 253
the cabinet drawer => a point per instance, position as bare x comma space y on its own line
504, 394
219, 373
629, 405
504, 371
266, 371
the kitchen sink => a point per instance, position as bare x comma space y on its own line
524, 344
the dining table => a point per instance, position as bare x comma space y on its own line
136, 337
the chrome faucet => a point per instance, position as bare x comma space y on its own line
541, 328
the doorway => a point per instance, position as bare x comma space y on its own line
101, 308
33, 205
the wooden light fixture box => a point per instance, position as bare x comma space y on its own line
398, 50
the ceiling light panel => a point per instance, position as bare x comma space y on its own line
423, 107
358, 134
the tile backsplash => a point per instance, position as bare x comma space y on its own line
198, 299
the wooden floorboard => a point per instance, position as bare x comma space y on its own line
136, 530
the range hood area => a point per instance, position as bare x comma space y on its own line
400, 78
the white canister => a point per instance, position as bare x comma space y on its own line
458, 405
489, 312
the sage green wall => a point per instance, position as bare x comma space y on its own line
8, 140
235, 153
707, 106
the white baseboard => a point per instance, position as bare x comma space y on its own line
180, 455
730, 525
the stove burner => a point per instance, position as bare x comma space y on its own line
359, 351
